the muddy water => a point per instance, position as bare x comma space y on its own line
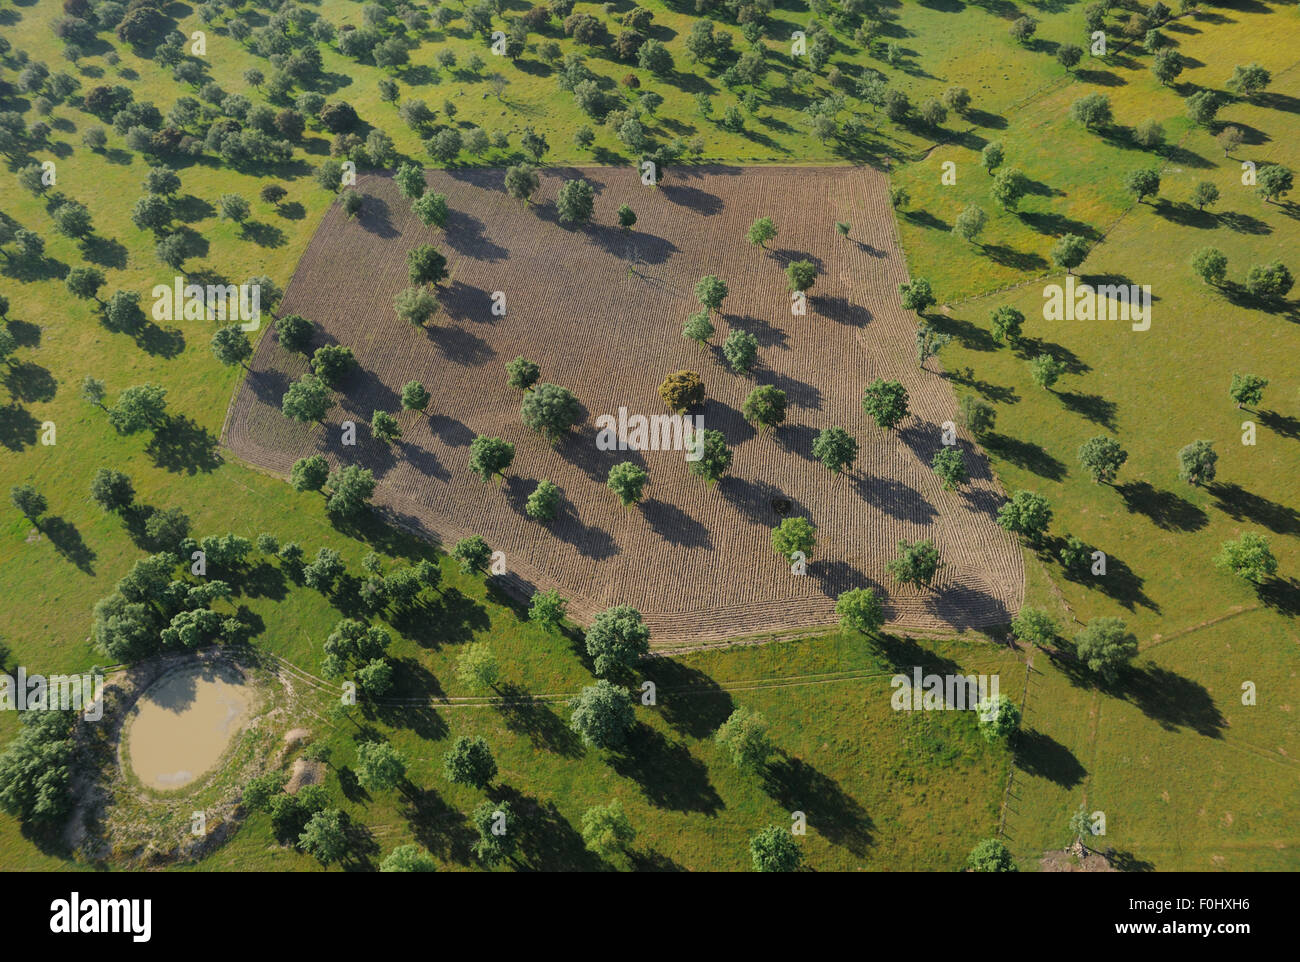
184, 722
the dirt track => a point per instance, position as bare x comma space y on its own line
601, 310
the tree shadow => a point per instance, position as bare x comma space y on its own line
182, 445
832, 812
437, 826
1171, 700
526, 715
1024, 454
547, 841
1042, 756
1093, 407
67, 541
670, 777
689, 700
1165, 509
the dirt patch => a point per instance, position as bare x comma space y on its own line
1075, 860
304, 772
601, 310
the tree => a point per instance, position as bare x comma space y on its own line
1143, 183
970, 222
1075, 555
137, 408
917, 295
547, 609
1197, 462
309, 473
627, 481
325, 837
431, 208
801, 275
1102, 457
294, 332
72, 219
682, 390
1007, 324
1249, 558
711, 291
1046, 370
380, 766
1093, 111
28, 500
898, 197
332, 363
1248, 79
348, 490
544, 502
836, 449
916, 564
469, 761
617, 639
1247, 389
1023, 28
271, 193
626, 217
1149, 134
575, 202
761, 231
521, 181
606, 830
1167, 65
307, 399
991, 156
990, 855
472, 553
111, 490
496, 842
1105, 645
410, 181
1204, 195
1202, 107
1269, 282
741, 351
654, 56
426, 265
36, 768
230, 345
522, 373
415, 305
408, 858
602, 715
744, 736
794, 536
999, 716
765, 407
490, 456
775, 850
885, 402
1026, 514
385, 427
950, 466
477, 667
860, 610
550, 410
415, 396
1230, 138
324, 570
1068, 55
715, 456
1070, 250
978, 416
1274, 181
1033, 626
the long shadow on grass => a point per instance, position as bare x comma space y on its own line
1242, 505
689, 700
1093, 407
798, 786
1171, 700
67, 541
670, 777
1024, 454
438, 827
526, 715
1165, 509
1044, 757
547, 841
452, 618
184, 446
1283, 424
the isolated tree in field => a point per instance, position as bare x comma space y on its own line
775, 850
332, 363
1068, 55
606, 830
28, 500
431, 209
425, 265
111, 490
1247, 390
1143, 183
602, 715
929, 343
950, 466
836, 449
1102, 457
741, 351
1033, 626
1269, 282
916, 563
385, 427
522, 373
970, 222
1274, 181
744, 737
294, 332
544, 502
801, 275
1009, 186
415, 305
469, 761
1204, 195
550, 410
137, 408
1105, 645
522, 181
477, 667
627, 480
324, 570
575, 202
309, 473
617, 639
1023, 28
794, 535
325, 836
408, 858
1167, 65
1093, 111
230, 345
885, 402
1248, 79
682, 390
472, 554
765, 407
698, 327
1203, 106
415, 396
715, 456
1249, 558
999, 716
1069, 251
860, 610
842, 228
1075, 555
917, 295
978, 416
626, 217
380, 766
1149, 134
490, 456
85, 282
547, 609
1197, 462
493, 820
1230, 138
1211, 265
410, 181
1046, 370
307, 399
711, 292
270, 194
1006, 324
1026, 514
348, 490
992, 156
761, 231
990, 855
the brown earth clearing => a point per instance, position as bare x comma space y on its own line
601, 310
